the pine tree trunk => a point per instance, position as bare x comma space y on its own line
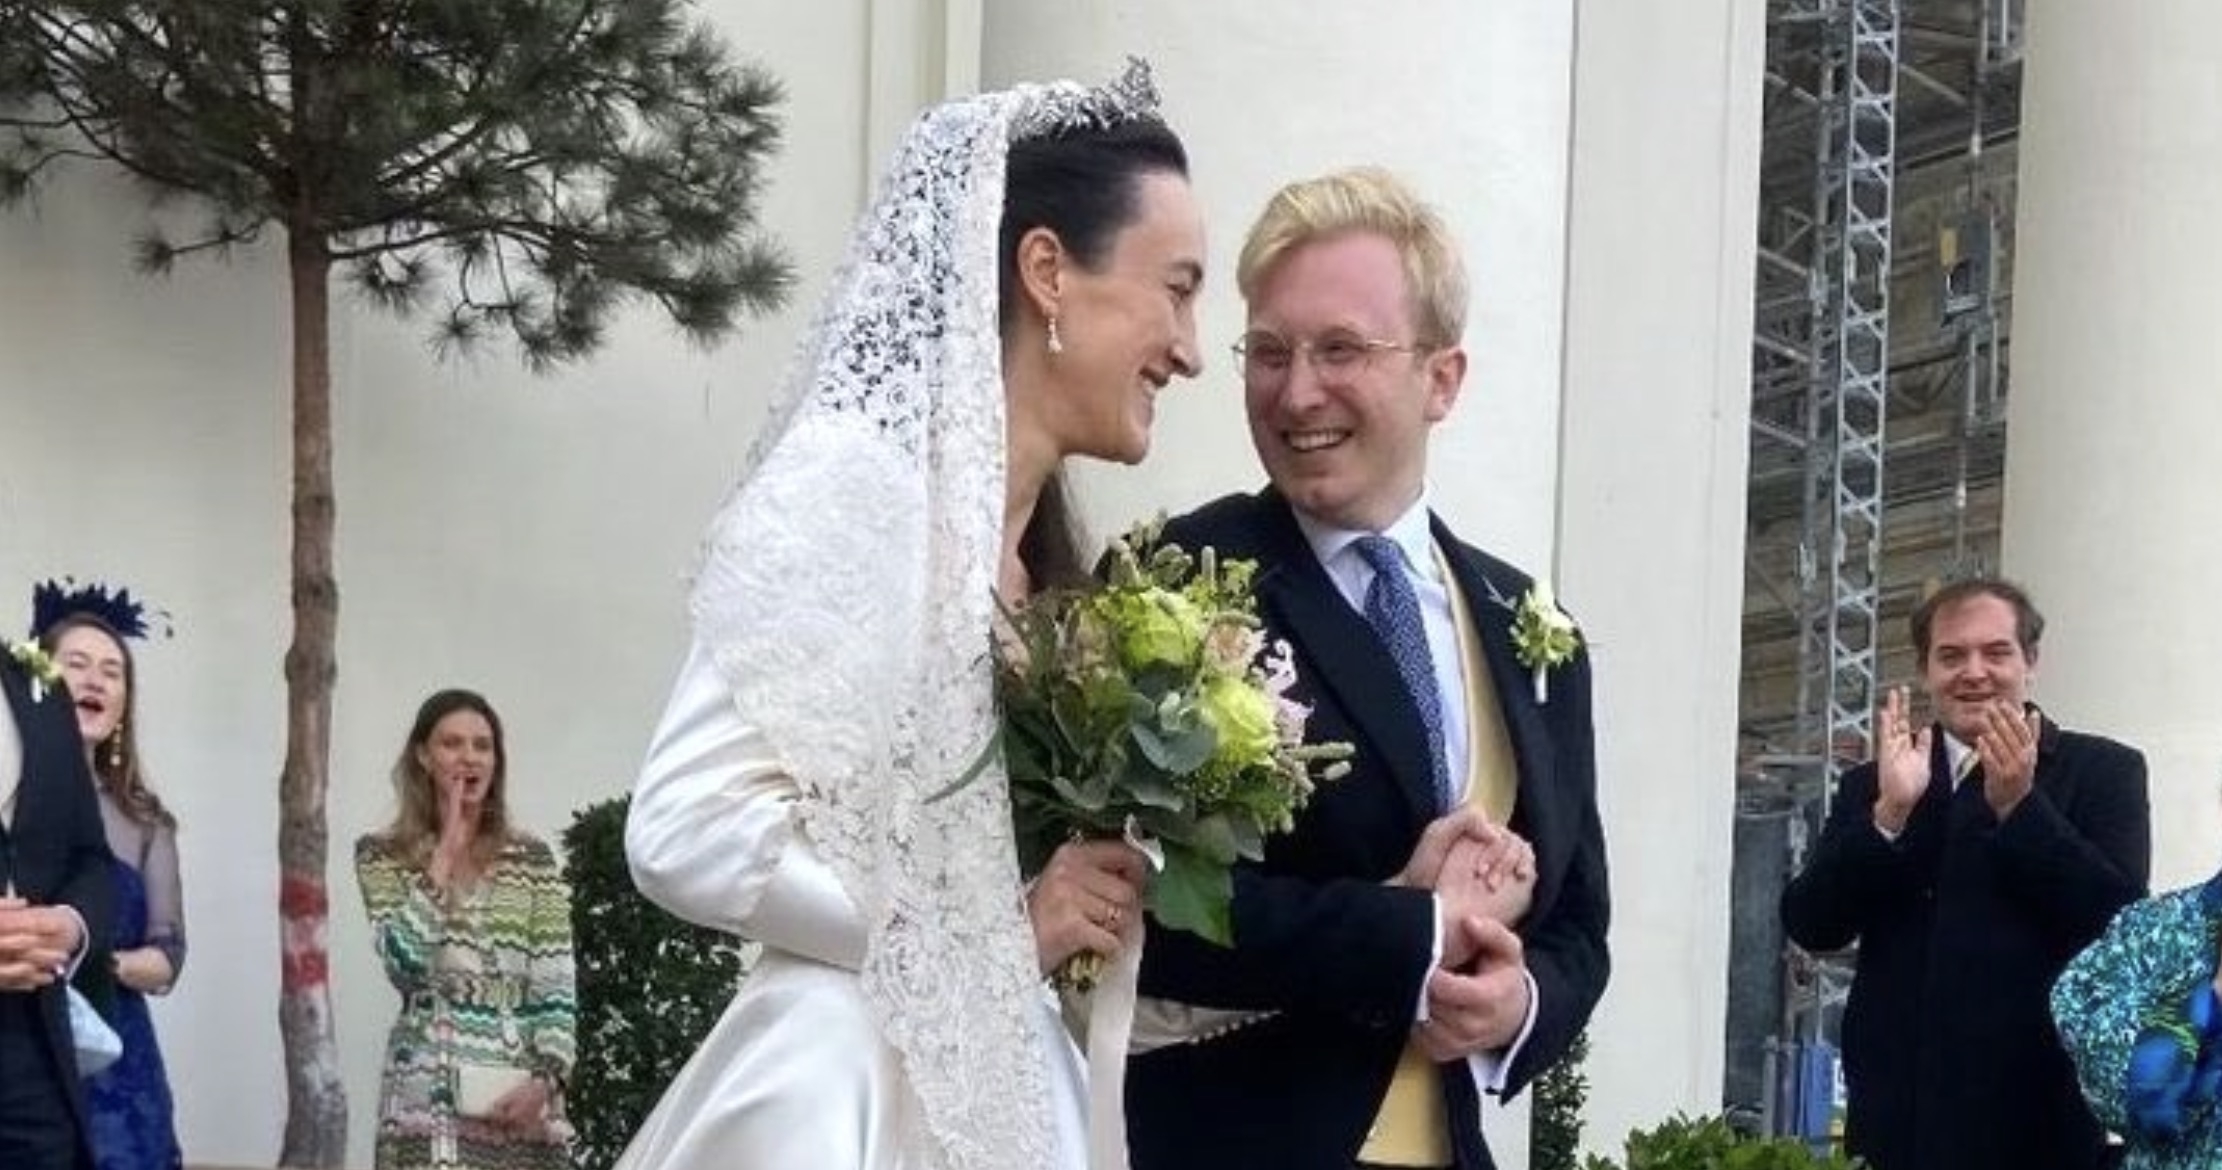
316, 1100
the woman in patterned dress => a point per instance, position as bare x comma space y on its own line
2140, 1011
133, 1114
472, 921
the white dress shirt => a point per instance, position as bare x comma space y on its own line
11, 763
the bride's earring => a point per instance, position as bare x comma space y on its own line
115, 748
1056, 343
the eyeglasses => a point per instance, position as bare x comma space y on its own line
1336, 356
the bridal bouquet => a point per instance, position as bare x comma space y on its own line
1150, 706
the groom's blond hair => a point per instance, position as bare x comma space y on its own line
1365, 199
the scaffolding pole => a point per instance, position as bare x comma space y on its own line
1845, 410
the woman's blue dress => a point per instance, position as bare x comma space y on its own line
132, 1114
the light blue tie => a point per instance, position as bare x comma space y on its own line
1394, 610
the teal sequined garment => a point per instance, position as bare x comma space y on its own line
2138, 1012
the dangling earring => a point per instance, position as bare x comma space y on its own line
1056, 343
115, 748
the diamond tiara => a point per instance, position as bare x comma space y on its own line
1065, 107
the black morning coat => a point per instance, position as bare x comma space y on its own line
1963, 924
1318, 937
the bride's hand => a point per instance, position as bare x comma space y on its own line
1088, 898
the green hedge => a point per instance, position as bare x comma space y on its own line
1555, 1126
649, 986
1709, 1143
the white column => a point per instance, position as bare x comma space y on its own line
1661, 245
2113, 514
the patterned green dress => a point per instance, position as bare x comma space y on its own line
2138, 1012
486, 981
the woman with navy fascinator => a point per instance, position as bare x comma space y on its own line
87, 630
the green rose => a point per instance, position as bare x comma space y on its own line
1156, 627
1242, 715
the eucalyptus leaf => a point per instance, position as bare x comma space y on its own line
1150, 790
1248, 838
1169, 826
1179, 752
1087, 795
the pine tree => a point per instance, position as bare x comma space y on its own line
507, 168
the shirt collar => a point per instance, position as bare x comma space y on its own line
1959, 758
1410, 531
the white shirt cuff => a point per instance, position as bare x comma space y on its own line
84, 941
1434, 960
1489, 1068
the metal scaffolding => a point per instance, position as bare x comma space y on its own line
1847, 395
1859, 176
1846, 347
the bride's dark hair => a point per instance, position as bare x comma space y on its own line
1083, 184
1050, 546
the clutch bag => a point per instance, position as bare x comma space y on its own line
478, 1086
97, 1044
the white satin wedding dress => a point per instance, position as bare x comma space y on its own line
795, 1074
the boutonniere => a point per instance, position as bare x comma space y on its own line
1542, 636
38, 664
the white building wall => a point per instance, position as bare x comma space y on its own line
527, 536
1651, 511
2113, 492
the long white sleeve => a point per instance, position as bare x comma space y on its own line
710, 836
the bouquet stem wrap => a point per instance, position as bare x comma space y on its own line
1110, 1024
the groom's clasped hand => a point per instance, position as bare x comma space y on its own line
1476, 868
1483, 877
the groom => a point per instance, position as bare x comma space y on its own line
1386, 971
55, 894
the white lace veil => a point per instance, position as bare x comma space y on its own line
845, 595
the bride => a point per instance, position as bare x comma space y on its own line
1021, 291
